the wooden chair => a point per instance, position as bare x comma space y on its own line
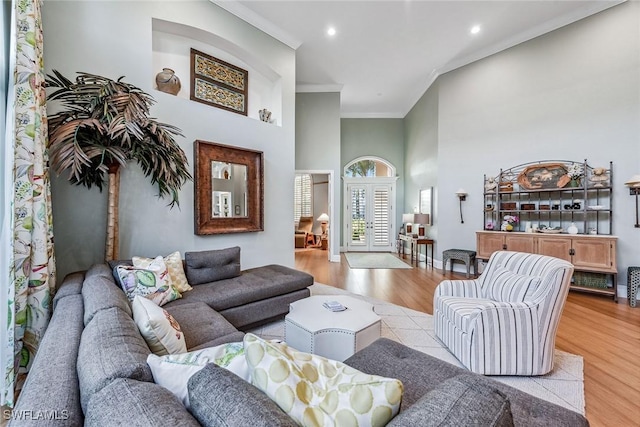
304, 235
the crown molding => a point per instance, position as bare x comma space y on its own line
380, 115
258, 21
318, 88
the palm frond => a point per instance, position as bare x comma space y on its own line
103, 122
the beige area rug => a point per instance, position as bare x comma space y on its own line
564, 386
374, 260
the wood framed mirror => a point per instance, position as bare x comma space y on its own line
229, 189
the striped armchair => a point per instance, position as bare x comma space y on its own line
505, 321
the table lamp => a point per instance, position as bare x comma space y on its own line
407, 220
323, 219
421, 220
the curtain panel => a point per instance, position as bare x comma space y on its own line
32, 267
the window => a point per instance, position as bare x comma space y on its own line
368, 167
302, 196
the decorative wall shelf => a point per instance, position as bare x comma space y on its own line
549, 199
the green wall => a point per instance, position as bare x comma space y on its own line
375, 137
421, 155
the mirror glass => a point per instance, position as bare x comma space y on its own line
228, 190
426, 203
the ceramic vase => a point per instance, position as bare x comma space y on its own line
265, 115
572, 229
168, 82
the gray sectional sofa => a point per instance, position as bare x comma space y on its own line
91, 367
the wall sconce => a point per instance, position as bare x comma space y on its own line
634, 190
462, 195
420, 220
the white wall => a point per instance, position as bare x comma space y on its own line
318, 149
115, 39
571, 94
320, 187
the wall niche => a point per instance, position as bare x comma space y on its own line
172, 43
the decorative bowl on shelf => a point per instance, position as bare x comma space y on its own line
550, 230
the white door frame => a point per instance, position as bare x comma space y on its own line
333, 253
369, 181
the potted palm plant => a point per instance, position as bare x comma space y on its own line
100, 126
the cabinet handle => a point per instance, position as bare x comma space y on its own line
504, 247
572, 252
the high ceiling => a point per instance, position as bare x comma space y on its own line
385, 54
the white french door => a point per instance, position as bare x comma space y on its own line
369, 216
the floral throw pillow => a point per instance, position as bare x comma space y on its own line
316, 391
152, 282
158, 328
175, 268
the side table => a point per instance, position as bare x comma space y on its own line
464, 255
414, 243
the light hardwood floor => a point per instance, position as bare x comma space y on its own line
605, 334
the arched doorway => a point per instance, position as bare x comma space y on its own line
369, 205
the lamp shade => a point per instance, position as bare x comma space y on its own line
323, 218
461, 192
407, 218
634, 181
421, 218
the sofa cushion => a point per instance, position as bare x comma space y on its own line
231, 402
175, 269
100, 293
111, 347
315, 390
173, 371
102, 270
71, 285
52, 384
200, 323
252, 285
127, 402
463, 400
211, 266
508, 286
250, 315
158, 328
225, 339
421, 373
152, 282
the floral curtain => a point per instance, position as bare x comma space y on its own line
32, 267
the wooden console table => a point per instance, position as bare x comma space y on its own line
414, 244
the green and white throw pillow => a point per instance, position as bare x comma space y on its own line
158, 328
316, 391
152, 282
173, 371
175, 268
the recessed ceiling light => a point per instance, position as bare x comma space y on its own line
475, 29
331, 31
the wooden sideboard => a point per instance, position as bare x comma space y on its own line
588, 253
